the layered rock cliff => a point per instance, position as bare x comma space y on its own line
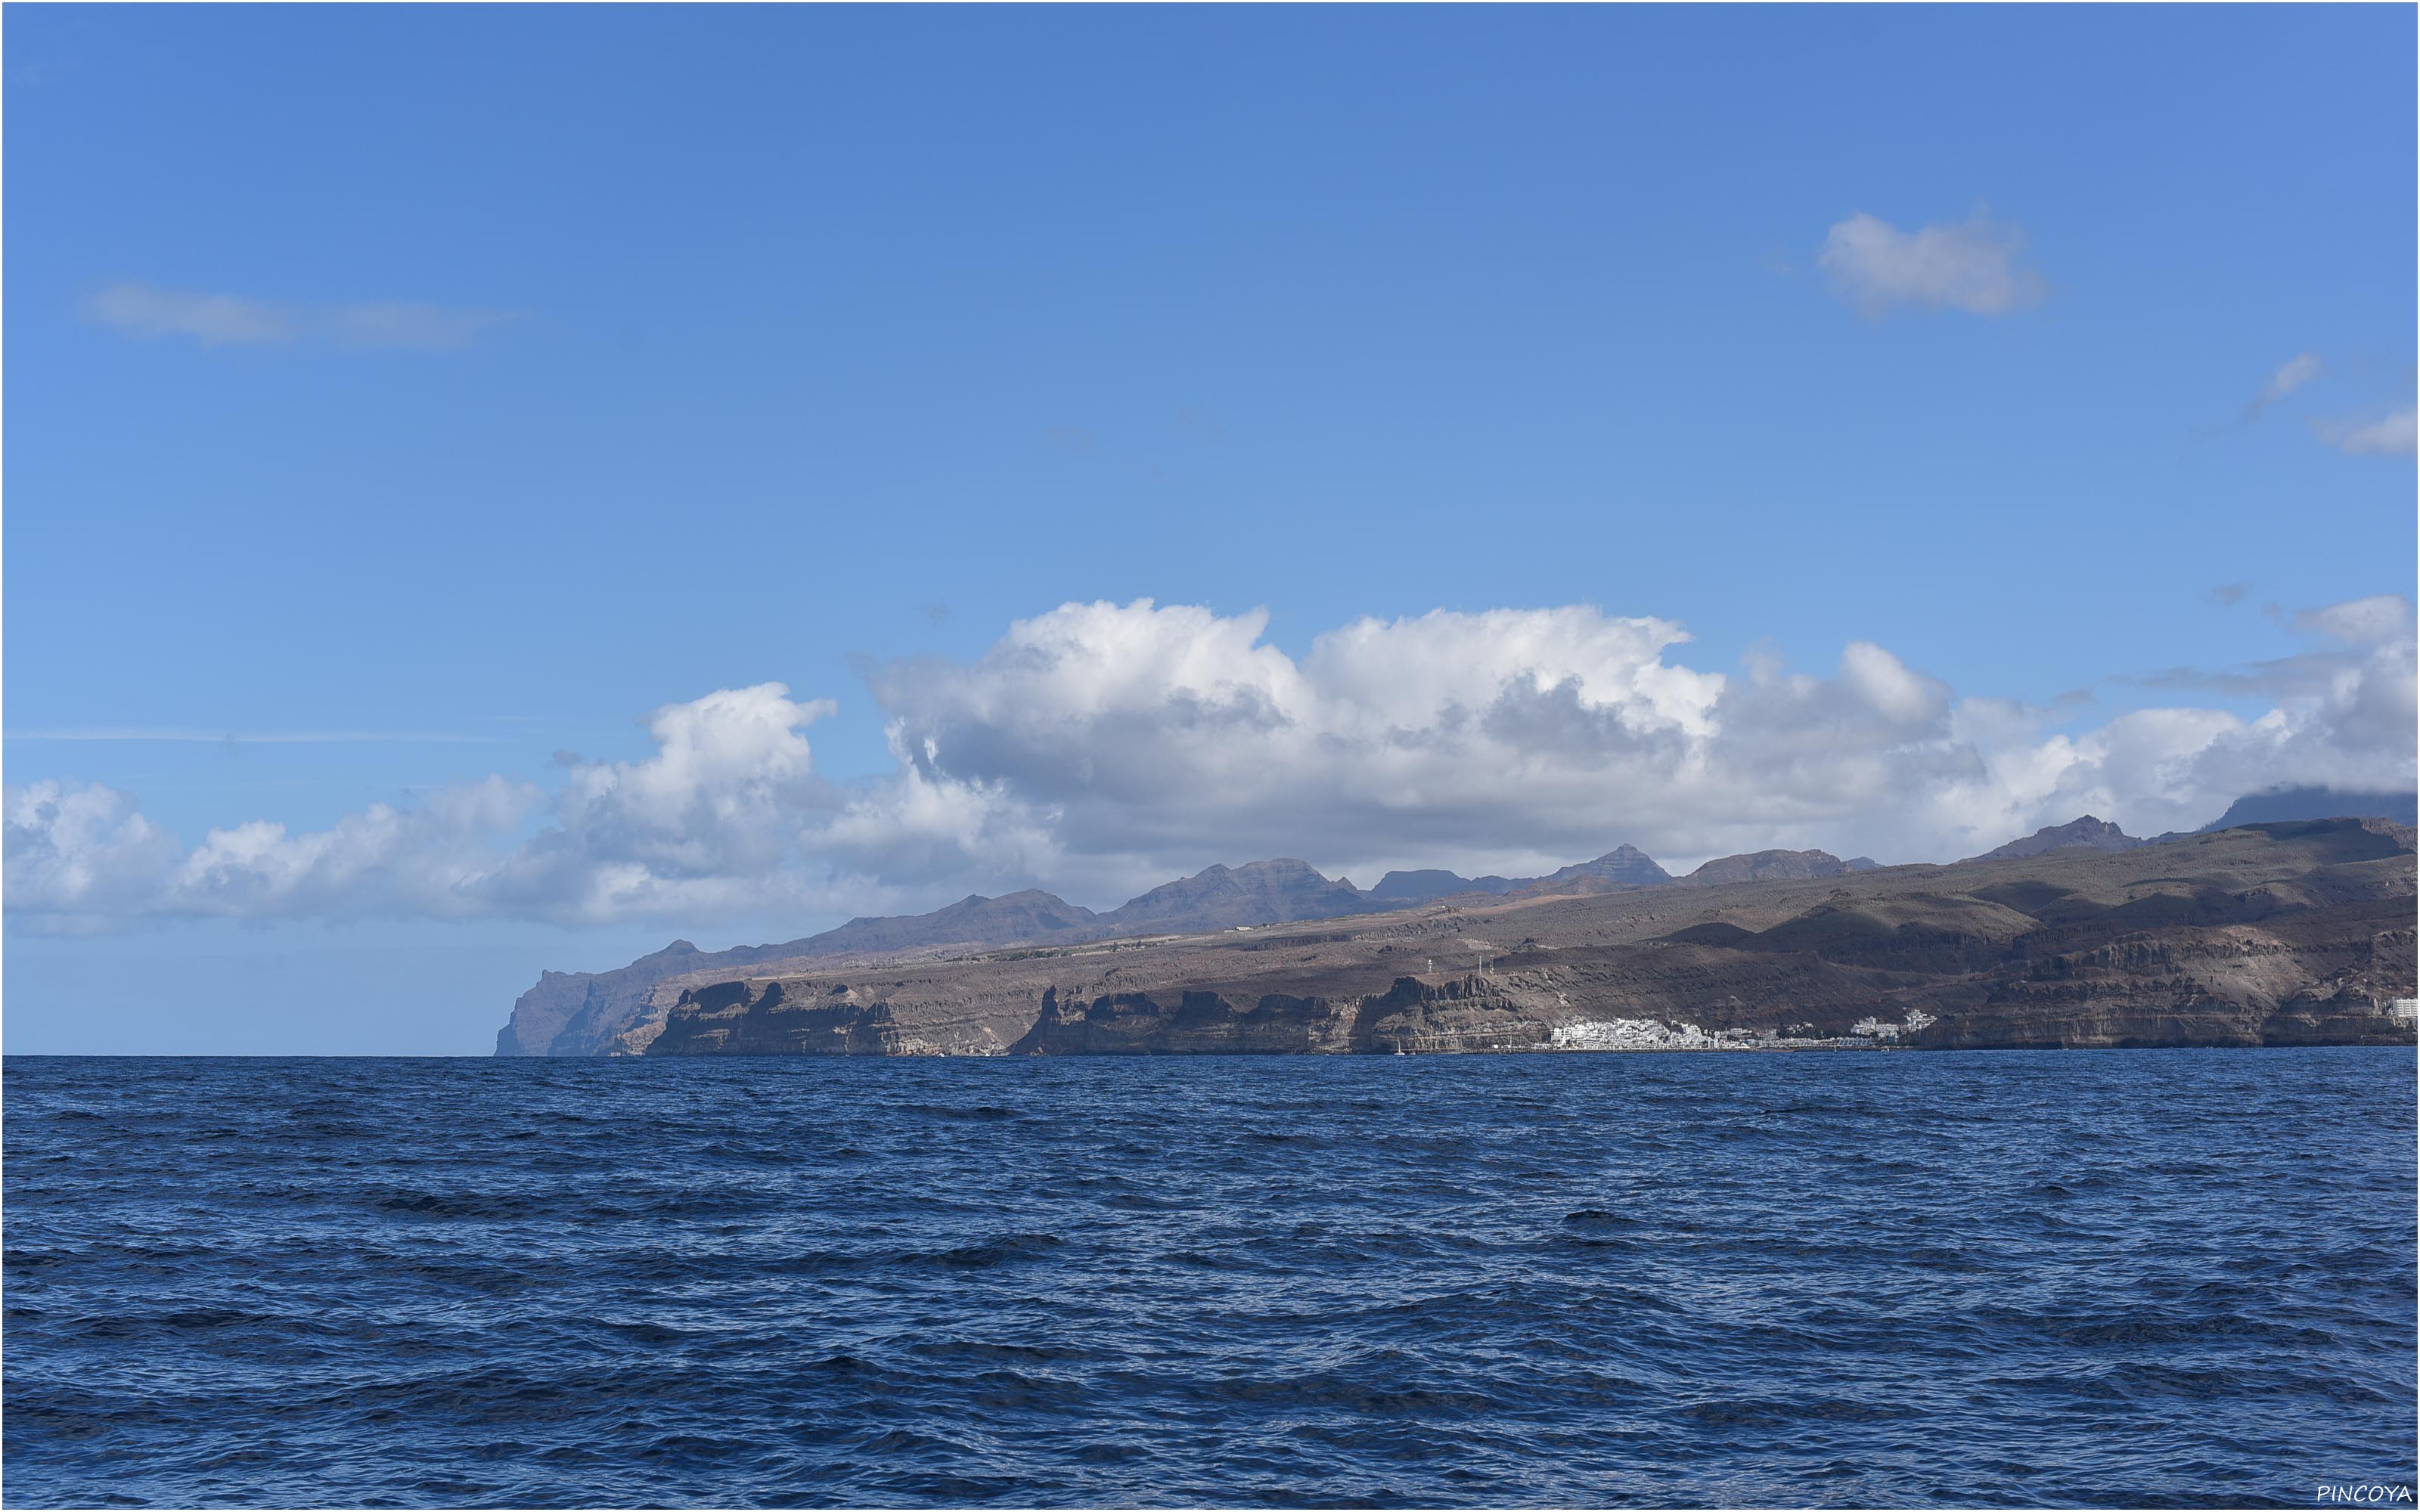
2278, 933
619, 1011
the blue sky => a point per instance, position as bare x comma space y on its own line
470, 382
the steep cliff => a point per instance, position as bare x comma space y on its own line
617, 1011
581, 1012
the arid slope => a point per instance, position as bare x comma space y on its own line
2294, 932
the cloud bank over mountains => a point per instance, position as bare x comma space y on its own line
1101, 747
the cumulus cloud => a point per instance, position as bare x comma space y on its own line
1970, 265
704, 828
231, 320
2290, 375
2388, 435
1100, 747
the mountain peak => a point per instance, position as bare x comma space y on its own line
2100, 834
1275, 891
1624, 866
1767, 866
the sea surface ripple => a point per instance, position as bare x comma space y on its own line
2144, 1277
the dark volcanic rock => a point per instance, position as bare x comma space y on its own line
810, 1017
580, 1012
2100, 834
1768, 865
592, 1013
1187, 1023
1460, 1014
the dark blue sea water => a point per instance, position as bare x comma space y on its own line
2144, 1277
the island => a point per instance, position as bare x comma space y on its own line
2293, 932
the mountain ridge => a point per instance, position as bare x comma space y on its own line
2293, 933
584, 1013
2097, 834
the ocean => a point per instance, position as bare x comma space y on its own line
2145, 1278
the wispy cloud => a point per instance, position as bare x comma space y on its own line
2389, 435
2226, 596
143, 310
2290, 375
1969, 265
255, 737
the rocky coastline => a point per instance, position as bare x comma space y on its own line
2296, 932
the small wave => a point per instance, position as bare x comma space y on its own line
1004, 1251
1570, 1281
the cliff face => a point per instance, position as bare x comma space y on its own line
1468, 1011
2280, 934
581, 1012
619, 1011
794, 1016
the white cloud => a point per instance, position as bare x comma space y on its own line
82, 854
231, 320
704, 828
252, 738
2290, 375
1099, 749
2390, 434
213, 320
1969, 265
2379, 620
